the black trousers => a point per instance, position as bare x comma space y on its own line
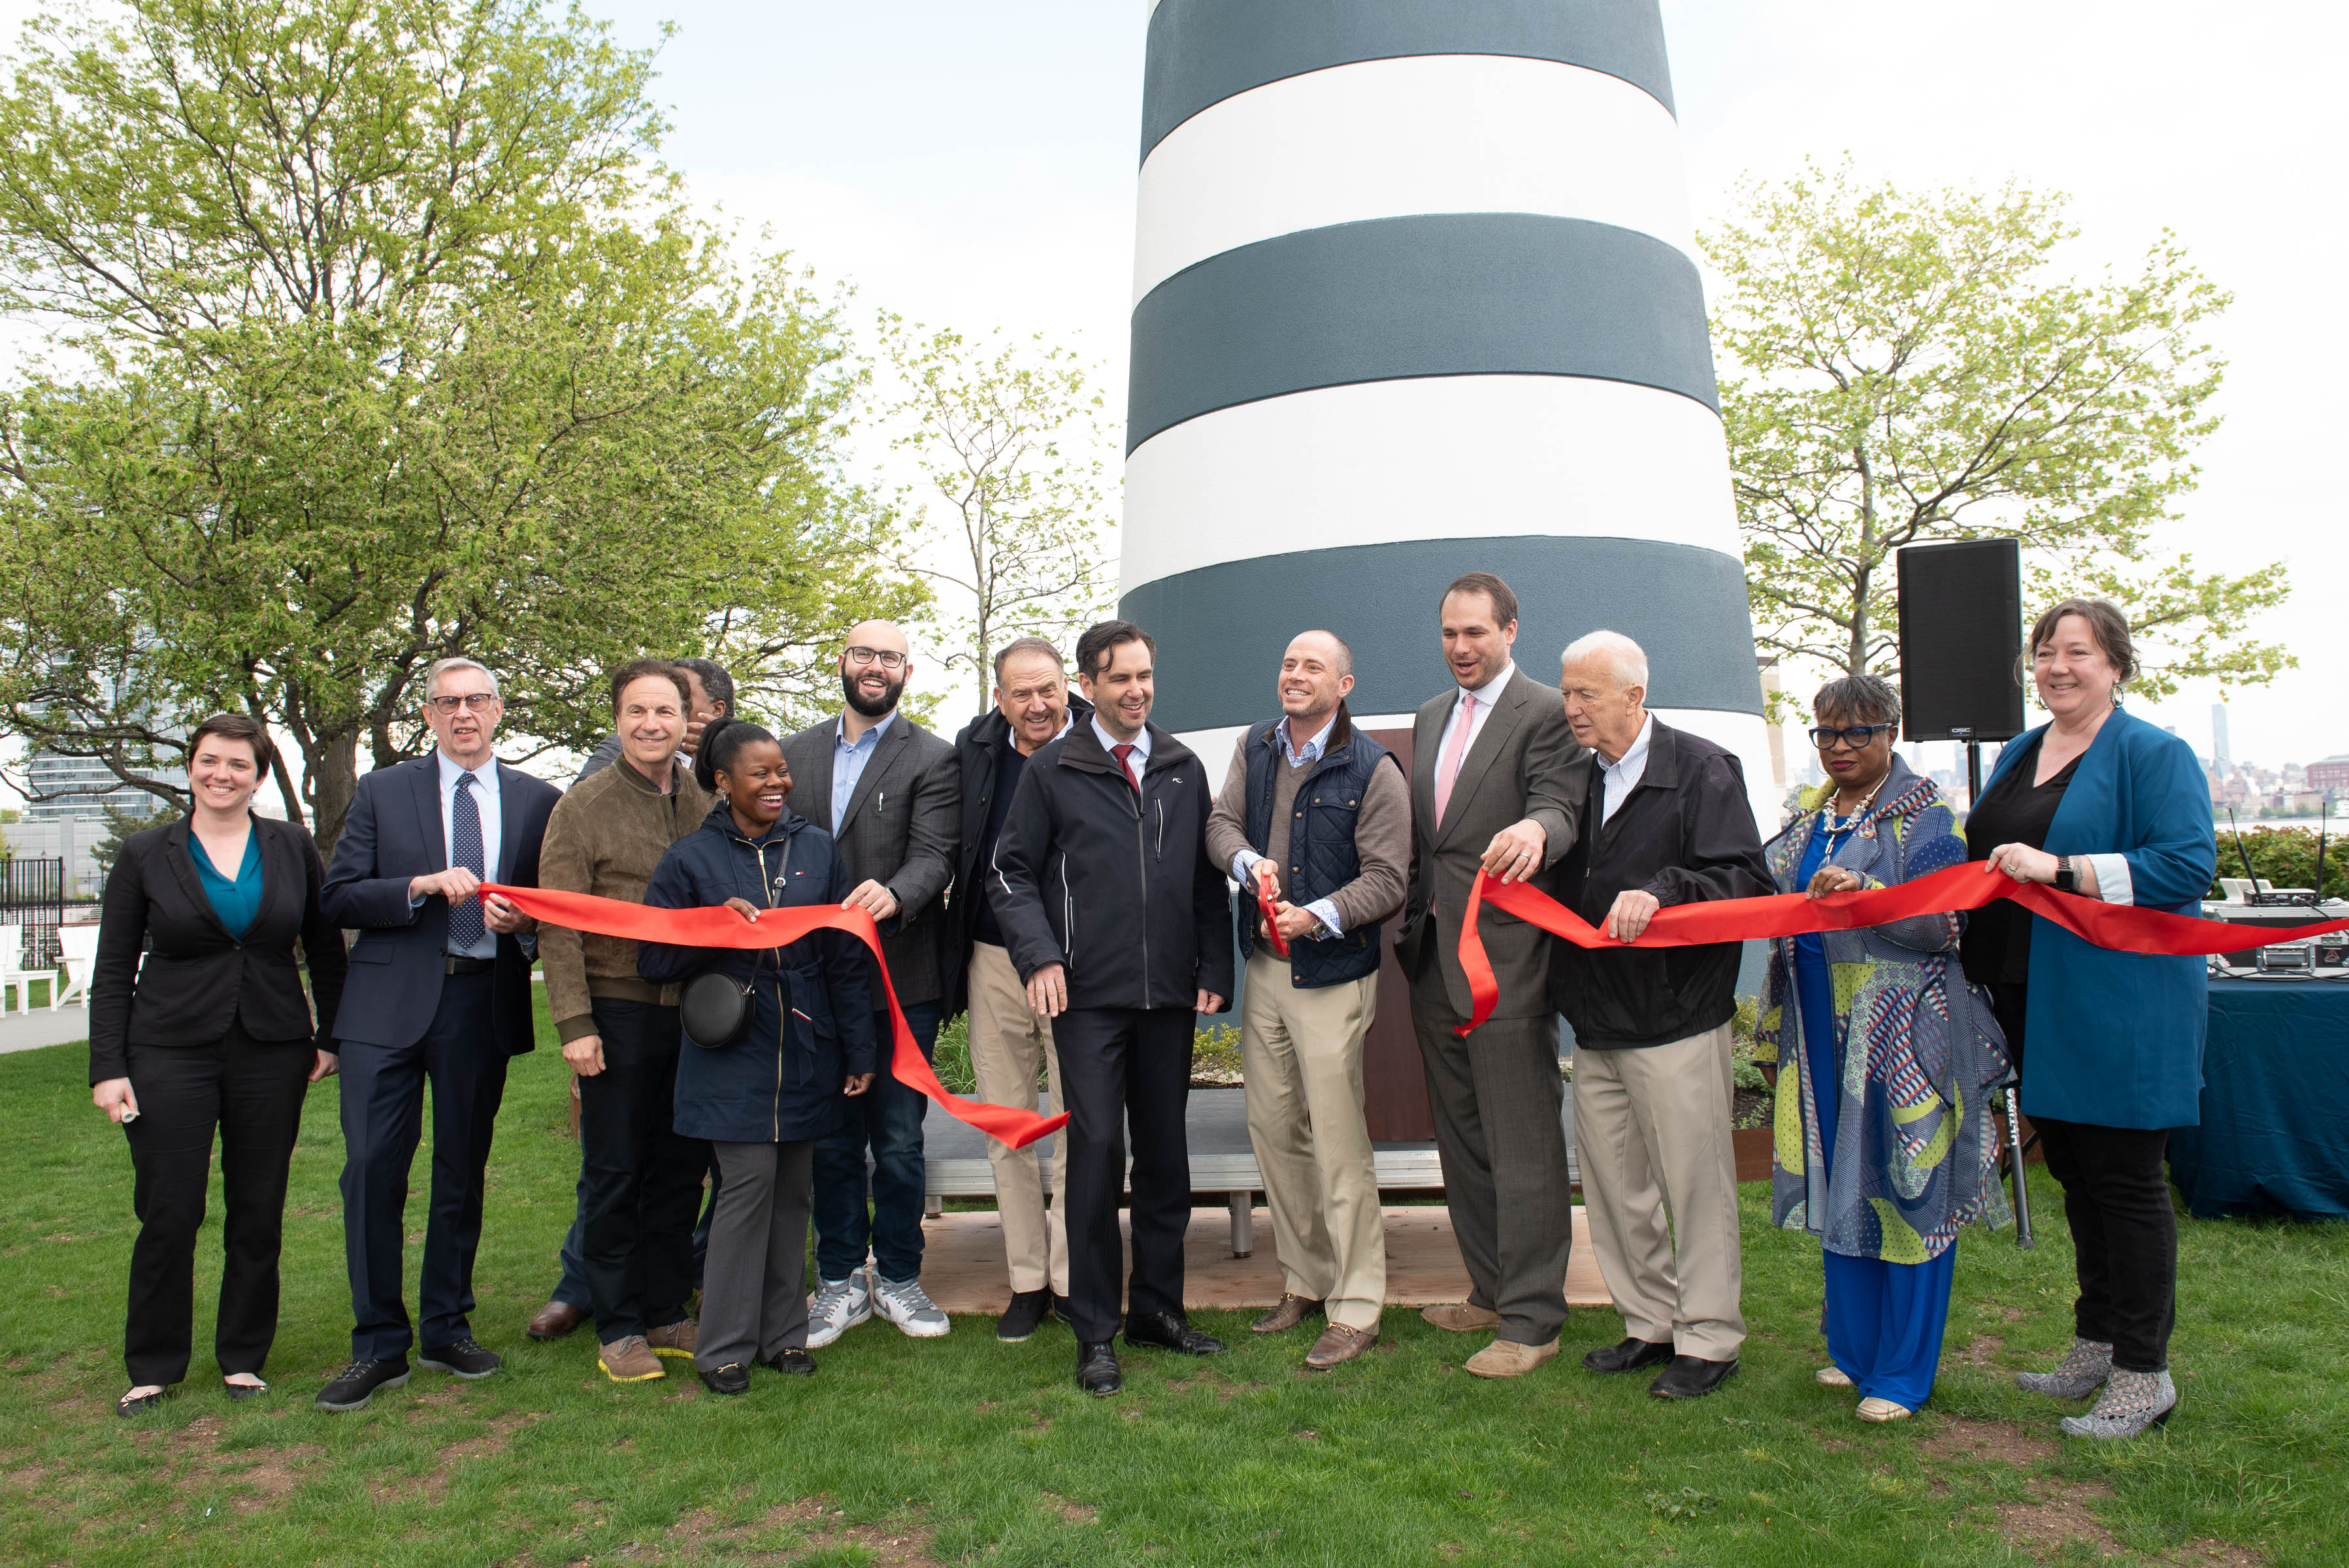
639, 1182
2124, 1230
1126, 1067
251, 1092
383, 1119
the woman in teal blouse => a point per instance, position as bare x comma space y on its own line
210, 1036
2100, 804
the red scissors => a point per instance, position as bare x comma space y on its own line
1261, 875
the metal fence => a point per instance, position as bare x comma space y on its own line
33, 895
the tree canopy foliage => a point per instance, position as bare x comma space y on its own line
379, 334
1919, 369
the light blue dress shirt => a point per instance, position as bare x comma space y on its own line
848, 761
485, 800
1622, 776
1139, 763
1321, 909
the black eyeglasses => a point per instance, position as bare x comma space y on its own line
1856, 737
887, 659
479, 701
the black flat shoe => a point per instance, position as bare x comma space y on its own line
245, 1391
1097, 1369
1691, 1377
729, 1379
1062, 1310
1167, 1331
1024, 1316
1629, 1356
139, 1406
355, 1384
792, 1363
465, 1359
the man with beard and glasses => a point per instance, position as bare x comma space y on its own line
891, 794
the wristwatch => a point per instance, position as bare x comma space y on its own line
2066, 879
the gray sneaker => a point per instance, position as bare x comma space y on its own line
905, 1304
2082, 1373
838, 1305
2132, 1402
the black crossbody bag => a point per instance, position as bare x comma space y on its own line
715, 1008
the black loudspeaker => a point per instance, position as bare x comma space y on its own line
1962, 640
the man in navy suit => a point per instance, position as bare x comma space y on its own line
440, 990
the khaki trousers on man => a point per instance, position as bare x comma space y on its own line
1302, 1051
1008, 1042
1652, 1130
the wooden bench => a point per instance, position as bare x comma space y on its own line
1233, 1176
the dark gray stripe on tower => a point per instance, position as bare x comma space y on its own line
1204, 51
1221, 630
1450, 294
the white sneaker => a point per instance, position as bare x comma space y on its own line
905, 1304
837, 1307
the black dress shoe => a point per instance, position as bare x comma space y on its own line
1024, 1316
1062, 1310
792, 1363
729, 1379
1629, 1356
355, 1384
1691, 1377
1168, 1331
1097, 1369
463, 1358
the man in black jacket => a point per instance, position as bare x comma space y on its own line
1667, 821
1009, 1041
1120, 926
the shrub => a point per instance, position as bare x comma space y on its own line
2285, 857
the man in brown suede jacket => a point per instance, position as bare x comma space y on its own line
641, 1182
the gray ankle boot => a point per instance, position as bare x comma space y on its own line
2084, 1372
2132, 1402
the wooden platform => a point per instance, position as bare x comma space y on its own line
962, 1263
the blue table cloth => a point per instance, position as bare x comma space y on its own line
2275, 1104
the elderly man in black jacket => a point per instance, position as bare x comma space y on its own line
1010, 1042
1667, 821
1120, 926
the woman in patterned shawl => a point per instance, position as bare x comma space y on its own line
1885, 1059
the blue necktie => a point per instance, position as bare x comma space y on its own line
465, 927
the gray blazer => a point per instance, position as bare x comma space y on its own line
900, 831
1524, 763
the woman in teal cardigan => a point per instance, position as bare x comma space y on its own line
2109, 1043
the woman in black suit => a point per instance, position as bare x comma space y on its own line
214, 1033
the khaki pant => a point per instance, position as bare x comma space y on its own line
1007, 1038
1302, 1050
1651, 1127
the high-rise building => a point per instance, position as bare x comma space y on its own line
2223, 751
68, 816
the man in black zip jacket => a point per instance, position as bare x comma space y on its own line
1120, 926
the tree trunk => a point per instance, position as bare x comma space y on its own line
331, 774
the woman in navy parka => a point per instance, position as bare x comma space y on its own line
764, 1101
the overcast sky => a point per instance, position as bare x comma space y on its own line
974, 165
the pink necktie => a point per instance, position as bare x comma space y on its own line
1448, 769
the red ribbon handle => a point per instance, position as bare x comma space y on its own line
721, 927
2124, 928
1264, 907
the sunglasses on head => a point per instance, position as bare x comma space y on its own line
1853, 736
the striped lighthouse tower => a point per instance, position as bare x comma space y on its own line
1416, 295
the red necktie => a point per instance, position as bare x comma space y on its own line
1126, 765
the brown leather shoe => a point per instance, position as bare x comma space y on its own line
1507, 1358
677, 1339
1287, 1313
630, 1360
1461, 1317
1338, 1343
555, 1320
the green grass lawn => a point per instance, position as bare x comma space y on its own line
965, 1450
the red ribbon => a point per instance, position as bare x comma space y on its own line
1271, 920
720, 927
2122, 927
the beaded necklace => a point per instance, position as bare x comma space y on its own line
1848, 825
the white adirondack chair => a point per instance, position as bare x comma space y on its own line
78, 951
13, 973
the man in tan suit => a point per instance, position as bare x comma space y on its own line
1498, 779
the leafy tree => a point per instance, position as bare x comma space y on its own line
1014, 501
120, 823
1915, 370
381, 339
